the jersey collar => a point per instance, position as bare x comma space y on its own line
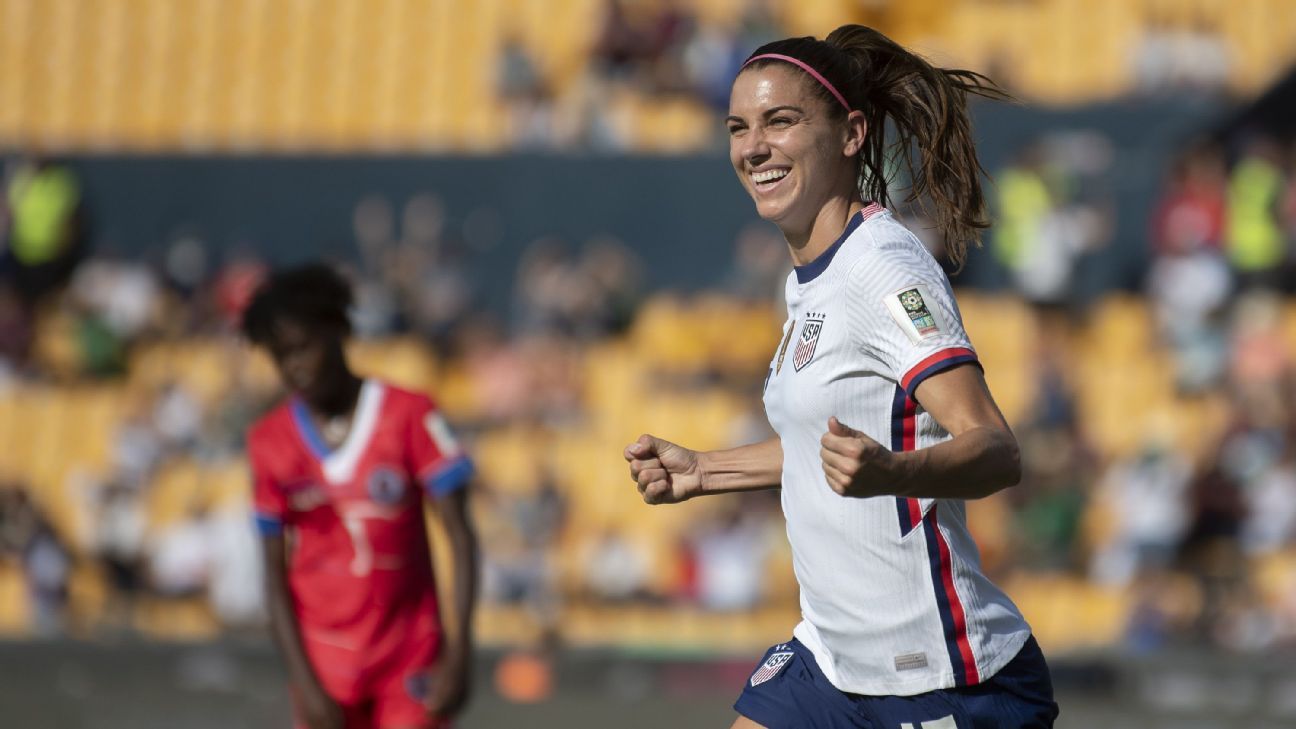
810, 271
339, 465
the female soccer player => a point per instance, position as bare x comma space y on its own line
341, 473
884, 421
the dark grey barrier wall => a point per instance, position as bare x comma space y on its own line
680, 213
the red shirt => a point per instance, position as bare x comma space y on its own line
360, 563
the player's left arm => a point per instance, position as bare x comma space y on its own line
451, 683
981, 458
446, 472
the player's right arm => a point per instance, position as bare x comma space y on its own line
667, 473
318, 709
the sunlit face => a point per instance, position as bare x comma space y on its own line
790, 154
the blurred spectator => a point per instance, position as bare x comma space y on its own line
233, 285
1189, 280
526, 97
587, 298
235, 583
177, 417
1211, 550
1258, 362
546, 288
500, 382
45, 237
614, 569
1054, 208
518, 568
26, 533
185, 266
118, 544
1190, 295
729, 553
16, 332
136, 447
711, 60
1190, 215
180, 557
669, 31
1175, 56
1145, 497
225, 425
121, 294
552, 370
760, 265
376, 306
1024, 204
1253, 235
1050, 501
611, 272
620, 44
1270, 523
1288, 205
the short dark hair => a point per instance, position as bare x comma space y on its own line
315, 295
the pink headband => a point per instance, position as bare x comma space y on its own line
804, 67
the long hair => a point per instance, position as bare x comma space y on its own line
927, 108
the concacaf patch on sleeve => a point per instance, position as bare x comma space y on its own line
771, 667
912, 309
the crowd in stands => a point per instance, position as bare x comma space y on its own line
659, 54
1195, 531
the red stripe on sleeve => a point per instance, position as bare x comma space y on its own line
936, 358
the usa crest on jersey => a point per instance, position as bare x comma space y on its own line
806, 343
770, 668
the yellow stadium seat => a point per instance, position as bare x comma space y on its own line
14, 609
175, 490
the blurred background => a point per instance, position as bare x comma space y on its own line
534, 202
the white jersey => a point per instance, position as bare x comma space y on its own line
893, 600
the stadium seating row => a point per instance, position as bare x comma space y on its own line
399, 74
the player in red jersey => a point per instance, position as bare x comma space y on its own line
342, 471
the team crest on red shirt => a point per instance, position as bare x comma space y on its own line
805, 348
417, 685
386, 486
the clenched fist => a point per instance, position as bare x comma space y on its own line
665, 473
855, 464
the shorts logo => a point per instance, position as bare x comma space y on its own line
386, 486
919, 315
771, 667
805, 348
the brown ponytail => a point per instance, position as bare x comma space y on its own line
927, 108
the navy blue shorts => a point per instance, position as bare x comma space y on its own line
792, 692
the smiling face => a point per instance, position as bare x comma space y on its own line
791, 152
